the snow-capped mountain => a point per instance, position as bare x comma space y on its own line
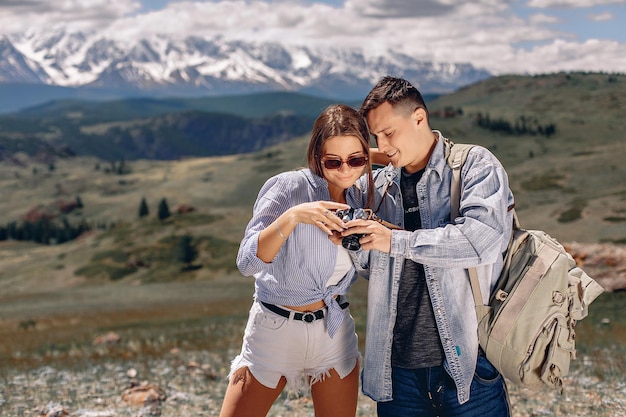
14, 66
209, 66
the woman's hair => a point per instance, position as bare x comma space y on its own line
398, 92
339, 120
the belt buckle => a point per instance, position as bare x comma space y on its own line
308, 317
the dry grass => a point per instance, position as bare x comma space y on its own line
184, 345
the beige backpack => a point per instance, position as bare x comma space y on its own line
527, 329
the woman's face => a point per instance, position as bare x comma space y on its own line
343, 149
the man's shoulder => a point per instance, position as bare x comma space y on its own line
480, 155
470, 154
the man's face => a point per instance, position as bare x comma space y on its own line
405, 139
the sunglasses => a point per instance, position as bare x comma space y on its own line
353, 162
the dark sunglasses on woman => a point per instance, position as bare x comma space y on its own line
353, 162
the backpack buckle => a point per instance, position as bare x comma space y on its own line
501, 295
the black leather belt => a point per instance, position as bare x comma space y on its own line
307, 317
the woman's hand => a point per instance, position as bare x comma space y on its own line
318, 213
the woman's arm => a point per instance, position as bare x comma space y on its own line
317, 213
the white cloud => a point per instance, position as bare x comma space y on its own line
399, 8
560, 55
540, 18
545, 4
16, 15
258, 20
485, 33
602, 17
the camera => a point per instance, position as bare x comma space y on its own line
351, 242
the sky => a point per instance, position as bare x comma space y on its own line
501, 36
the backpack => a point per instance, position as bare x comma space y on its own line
527, 329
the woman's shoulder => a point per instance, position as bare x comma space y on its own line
287, 180
293, 176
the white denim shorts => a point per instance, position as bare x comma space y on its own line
275, 346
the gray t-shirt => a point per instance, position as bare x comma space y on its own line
416, 342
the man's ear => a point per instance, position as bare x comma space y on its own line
419, 115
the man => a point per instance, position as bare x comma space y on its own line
422, 353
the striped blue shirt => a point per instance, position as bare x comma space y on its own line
299, 273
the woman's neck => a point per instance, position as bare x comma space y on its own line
337, 195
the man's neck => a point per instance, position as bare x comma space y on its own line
420, 164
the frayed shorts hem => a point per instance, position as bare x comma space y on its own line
299, 381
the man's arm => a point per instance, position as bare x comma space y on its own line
378, 158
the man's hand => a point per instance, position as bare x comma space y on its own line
376, 236
335, 237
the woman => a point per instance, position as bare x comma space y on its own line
300, 330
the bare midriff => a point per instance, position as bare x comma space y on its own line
309, 307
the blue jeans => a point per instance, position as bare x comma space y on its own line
431, 392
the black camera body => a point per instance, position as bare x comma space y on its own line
351, 242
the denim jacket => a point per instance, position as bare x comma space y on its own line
477, 238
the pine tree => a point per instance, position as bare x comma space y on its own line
12, 230
186, 252
143, 208
164, 210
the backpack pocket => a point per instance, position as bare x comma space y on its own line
549, 358
560, 351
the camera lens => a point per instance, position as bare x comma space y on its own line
351, 242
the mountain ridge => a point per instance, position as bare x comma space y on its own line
159, 66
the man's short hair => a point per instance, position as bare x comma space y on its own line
398, 92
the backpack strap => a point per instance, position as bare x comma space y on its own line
456, 154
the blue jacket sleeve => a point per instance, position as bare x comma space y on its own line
481, 231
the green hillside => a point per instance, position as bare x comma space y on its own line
572, 182
166, 129
189, 133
